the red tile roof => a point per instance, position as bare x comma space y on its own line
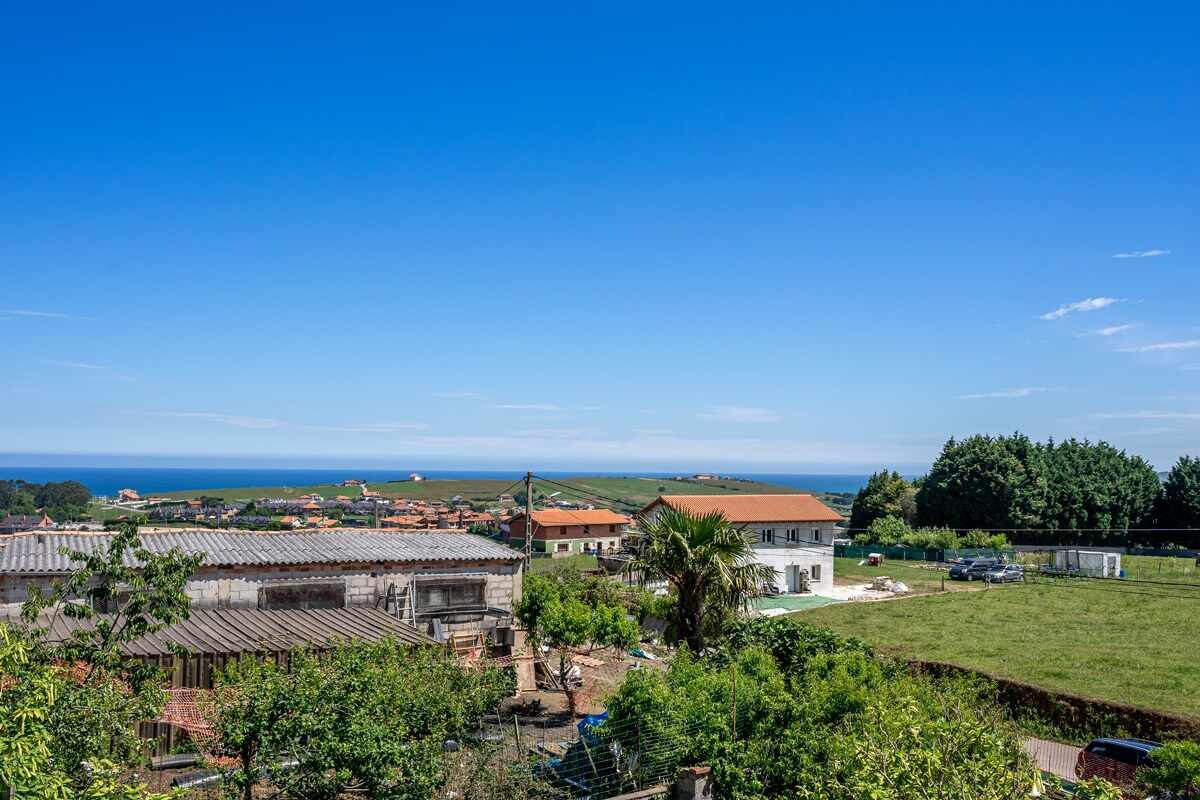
562, 516
745, 508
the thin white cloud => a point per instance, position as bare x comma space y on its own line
557, 433
78, 365
100, 370
1149, 415
530, 407
1142, 254
1190, 368
1024, 391
25, 312
1086, 304
236, 420
1186, 344
739, 414
1113, 330
653, 431
369, 427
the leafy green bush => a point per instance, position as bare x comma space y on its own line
786, 710
887, 531
367, 718
1176, 772
1097, 789
894, 532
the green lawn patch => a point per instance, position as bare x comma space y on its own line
922, 578
1102, 642
581, 562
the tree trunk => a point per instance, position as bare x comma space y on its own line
691, 628
247, 764
566, 679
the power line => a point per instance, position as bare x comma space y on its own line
586, 493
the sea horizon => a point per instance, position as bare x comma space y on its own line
148, 480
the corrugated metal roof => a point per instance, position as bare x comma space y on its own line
253, 631
39, 554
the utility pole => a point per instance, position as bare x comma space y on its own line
528, 518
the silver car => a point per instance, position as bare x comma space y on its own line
1005, 573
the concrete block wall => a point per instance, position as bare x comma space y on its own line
238, 587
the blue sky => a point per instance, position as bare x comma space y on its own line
615, 236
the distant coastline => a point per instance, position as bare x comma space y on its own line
148, 480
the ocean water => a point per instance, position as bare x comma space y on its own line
148, 480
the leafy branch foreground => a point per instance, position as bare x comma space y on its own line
365, 719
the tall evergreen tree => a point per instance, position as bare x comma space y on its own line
886, 494
1179, 506
985, 482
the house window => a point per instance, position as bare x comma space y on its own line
563, 547
816, 534
612, 528
793, 534
293, 596
462, 594
767, 536
816, 572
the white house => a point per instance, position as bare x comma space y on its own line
793, 533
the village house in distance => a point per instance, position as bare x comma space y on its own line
564, 532
793, 533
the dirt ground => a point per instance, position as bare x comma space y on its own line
543, 714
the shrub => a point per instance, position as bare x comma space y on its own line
888, 531
1176, 772
1096, 789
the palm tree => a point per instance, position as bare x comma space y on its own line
707, 559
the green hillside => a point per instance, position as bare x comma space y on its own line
626, 493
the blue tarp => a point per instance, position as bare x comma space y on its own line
590, 721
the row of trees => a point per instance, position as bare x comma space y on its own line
1012, 482
61, 500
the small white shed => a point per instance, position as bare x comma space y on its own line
1093, 563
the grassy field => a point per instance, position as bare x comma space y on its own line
921, 580
632, 492
1142, 568
1101, 641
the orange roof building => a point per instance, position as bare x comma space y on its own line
562, 532
791, 533
746, 509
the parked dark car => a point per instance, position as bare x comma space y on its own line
1115, 760
1005, 573
971, 568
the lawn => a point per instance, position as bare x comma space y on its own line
1100, 641
920, 579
